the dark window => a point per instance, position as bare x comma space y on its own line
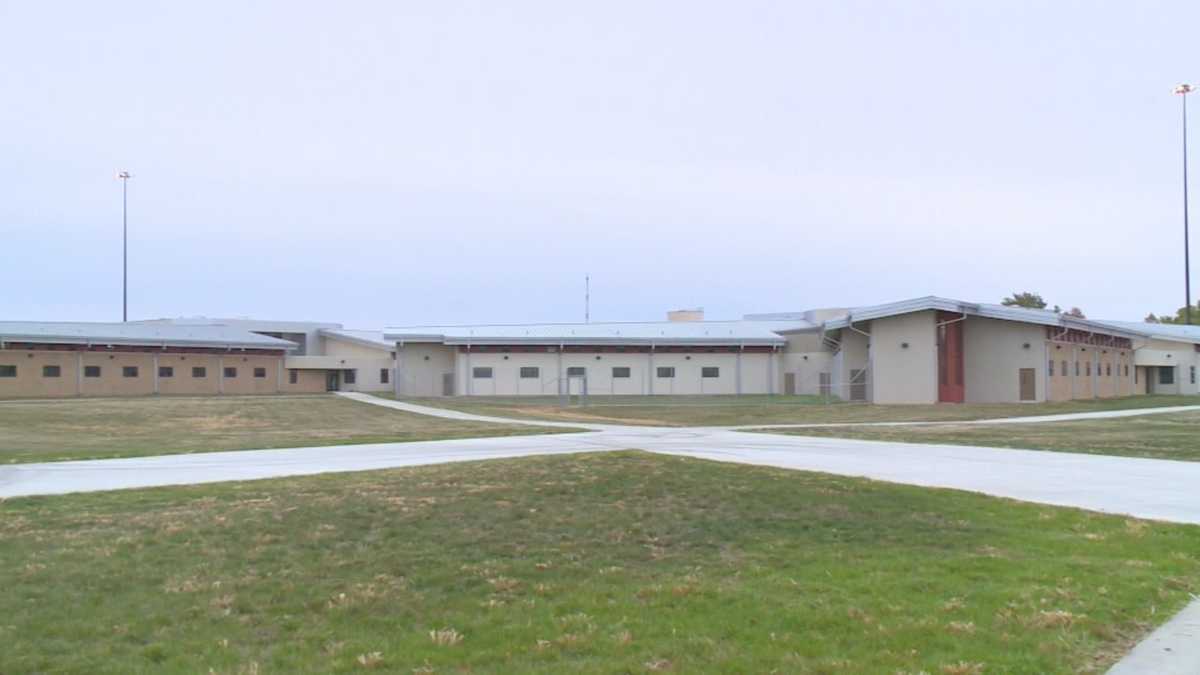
166, 371
1076, 369
51, 371
481, 373
350, 376
129, 371
1065, 372
1088, 366
1050, 368
1108, 369
230, 371
293, 376
620, 372
710, 371
1126, 371
260, 372
199, 371
383, 375
666, 371
1166, 375
530, 373
1193, 371
8, 371
91, 371
576, 371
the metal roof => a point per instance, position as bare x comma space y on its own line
656, 333
1161, 331
139, 334
369, 338
1043, 317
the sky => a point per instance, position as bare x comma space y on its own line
403, 163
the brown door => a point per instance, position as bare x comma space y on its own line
824, 385
950, 358
1028, 384
789, 384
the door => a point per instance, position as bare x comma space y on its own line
331, 380
825, 380
789, 384
447, 384
858, 385
1028, 384
950, 358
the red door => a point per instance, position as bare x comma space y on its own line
950, 358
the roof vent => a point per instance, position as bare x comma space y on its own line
677, 315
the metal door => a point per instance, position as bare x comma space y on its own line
858, 385
331, 380
447, 384
1028, 383
789, 384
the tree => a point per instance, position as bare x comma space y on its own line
1077, 313
1024, 299
1177, 318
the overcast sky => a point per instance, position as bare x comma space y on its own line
389, 163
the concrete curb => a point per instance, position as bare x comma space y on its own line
1173, 649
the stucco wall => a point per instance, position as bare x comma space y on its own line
900, 373
805, 358
994, 352
421, 368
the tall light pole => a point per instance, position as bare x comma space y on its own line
1183, 90
124, 176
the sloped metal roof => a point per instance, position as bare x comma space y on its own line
1161, 331
657, 333
137, 334
369, 338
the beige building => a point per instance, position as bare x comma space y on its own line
923, 350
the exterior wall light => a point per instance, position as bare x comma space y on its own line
1025, 346
903, 345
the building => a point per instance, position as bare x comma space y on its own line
923, 350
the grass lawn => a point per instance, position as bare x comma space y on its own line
748, 410
1165, 436
612, 562
36, 431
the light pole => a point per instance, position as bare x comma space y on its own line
124, 176
1183, 90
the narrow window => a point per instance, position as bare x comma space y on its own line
481, 373
620, 372
1126, 371
1076, 369
199, 371
91, 371
8, 371
1108, 370
351, 376
1166, 375
1050, 368
1193, 371
666, 371
1065, 372
166, 371
56, 371
260, 372
577, 371
383, 375
129, 371
230, 372
293, 376
710, 371
530, 373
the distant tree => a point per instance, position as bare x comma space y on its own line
1077, 313
1024, 299
1178, 318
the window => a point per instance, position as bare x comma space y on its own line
1126, 371
383, 375
666, 371
91, 371
481, 373
8, 371
260, 372
129, 371
293, 376
1193, 371
351, 376
530, 373
620, 372
1050, 368
230, 371
1089, 368
56, 371
576, 371
199, 371
1166, 375
1065, 372
710, 371
1076, 369
166, 371
1108, 369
